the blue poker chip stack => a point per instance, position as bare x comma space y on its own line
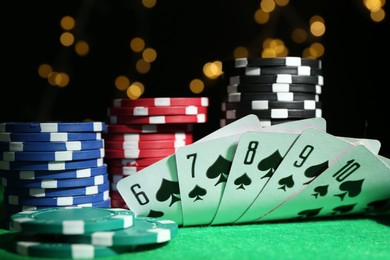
277, 90
52, 164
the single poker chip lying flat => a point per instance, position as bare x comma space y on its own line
55, 184
277, 113
52, 127
51, 146
65, 250
279, 78
275, 87
144, 231
49, 137
200, 118
54, 175
50, 166
57, 192
148, 111
282, 96
279, 61
256, 71
144, 145
162, 102
134, 154
56, 201
71, 220
131, 137
13, 209
52, 156
265, 104
148, 128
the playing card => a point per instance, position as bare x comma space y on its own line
312, 153
154, 191
357, 183
257, 156
371, 144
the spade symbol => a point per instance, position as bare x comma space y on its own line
155, 214
315, 170
286, 182
352, 188
320, 191
270, 164
168, 189
309, 213
220, 168
242, 180
343, 209
197, 192
377, 205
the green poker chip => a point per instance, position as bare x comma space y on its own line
144, 231
64, 250
71, 220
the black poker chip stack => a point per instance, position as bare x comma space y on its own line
277, 90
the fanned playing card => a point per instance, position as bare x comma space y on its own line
257, 156
312, 153
357, 183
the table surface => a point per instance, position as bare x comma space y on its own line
331, 238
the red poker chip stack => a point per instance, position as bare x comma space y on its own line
143, 131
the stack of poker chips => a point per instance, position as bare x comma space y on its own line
52, 164
277, 90
86, 232
143, 131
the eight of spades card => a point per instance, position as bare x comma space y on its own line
257, 156
356, 183
312, 153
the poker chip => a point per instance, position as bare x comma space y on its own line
71, 220
65, 250
162, 102
56, 201
266, 104
55, 184
263, 122
48, 137
139, 153
52, 156
257, 71
124, 170
53, 192
50, 166
276, 87
147, 111
55, 175
51, 146
264, 62
147, 128
144, 231
278, 78
143, 145
13, 209
200, 118
133, 162
276, 113
52, 127
288, 96
130, 137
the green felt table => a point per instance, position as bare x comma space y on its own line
331, 238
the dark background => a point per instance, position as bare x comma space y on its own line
186, 35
